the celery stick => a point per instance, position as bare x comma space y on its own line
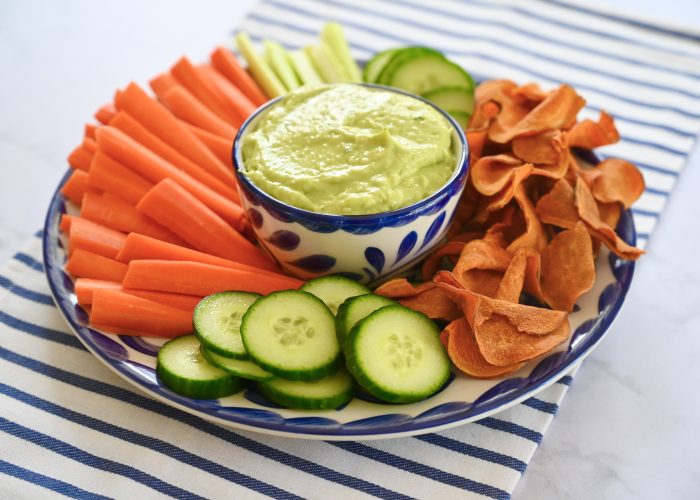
333, 35
325, 63
277, 59
262, 73
304, 68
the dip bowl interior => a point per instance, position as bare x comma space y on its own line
366, 248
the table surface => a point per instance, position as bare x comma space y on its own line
628, 427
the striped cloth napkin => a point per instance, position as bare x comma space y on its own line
72, 427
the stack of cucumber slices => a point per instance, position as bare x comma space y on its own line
307, 348
428, 73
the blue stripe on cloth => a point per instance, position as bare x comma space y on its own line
542, 406
644, 236
69, 451
566, 380
473, 451
312, 14
41, 331
25, 293
47, 482
511, 428
149, 442
420, 469
148, 404
29, 261
648, 213
659, 192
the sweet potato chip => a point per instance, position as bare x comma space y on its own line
568, 269
426, 298
530, 93
458, 338
532, 274
534, 235
503, 197
401, 287
610, 213
558, 206
588, 134
619, 180
514, 278
490, 174
544, 148
432, 263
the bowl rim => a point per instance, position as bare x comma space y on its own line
459, 174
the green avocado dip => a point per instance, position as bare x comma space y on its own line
349, 150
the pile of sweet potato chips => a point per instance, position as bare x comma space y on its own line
531, 219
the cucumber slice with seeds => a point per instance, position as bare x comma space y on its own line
291, 334
181, 367
327, 393
355, 309
238, 367
334, 290
458, 99
217, 322
425, 72
402, 56
395, 353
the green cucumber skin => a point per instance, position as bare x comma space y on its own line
341, 282
369, 75
341, 327
315, 373
354, 365
236, 373
268, 390
401, 56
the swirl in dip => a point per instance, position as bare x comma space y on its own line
349, 150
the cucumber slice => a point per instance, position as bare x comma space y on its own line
182, 368
239, 367
304, 68
327, 393
458, 99
217, 322
401, 56
355, 309
333, 35
461, 117
276, 57
334, 290
291, 334
375, 65
395, 353
262, 73
422, 73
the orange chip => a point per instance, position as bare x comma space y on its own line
619, 180
490, 174
480, 266
432, 263
531, 93
476, 140
401, 287
558, 206
532, 274
588, 134
463, 350
534, 235
610, 213
504, 197
514, 278
546, 148
568, 269
426, 298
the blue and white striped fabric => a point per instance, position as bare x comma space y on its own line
71, 427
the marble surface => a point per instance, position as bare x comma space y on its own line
628, 427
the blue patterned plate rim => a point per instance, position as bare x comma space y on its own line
397, 425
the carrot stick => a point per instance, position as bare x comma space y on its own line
105, 113
227, 64
145, 162
85, 287
173, 207
162, 82
195, 278
204, 91
95, 238
177, 300
90, 130
186, 107
127, 124
89, 145
121, 310
161, 122
236, 99
76, 186
114, 178
220, 146
140, 247
121, 216
80, 158
84, 264
66, 221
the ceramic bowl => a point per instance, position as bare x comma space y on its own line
363, 247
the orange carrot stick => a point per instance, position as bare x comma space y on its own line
84, 264
145, 162
89, 145
121, 310
121, 216
236, 99
161, 122
195, 278
162, 83
140, 247
227, 64
85, 287
105, 113
173, 207
90, 130
66, 221
95, 238
204, 91
76, 186
177, 300
127, 124
186, 107
80, 158
220, 146
114, 178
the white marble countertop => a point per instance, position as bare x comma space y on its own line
628, 427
